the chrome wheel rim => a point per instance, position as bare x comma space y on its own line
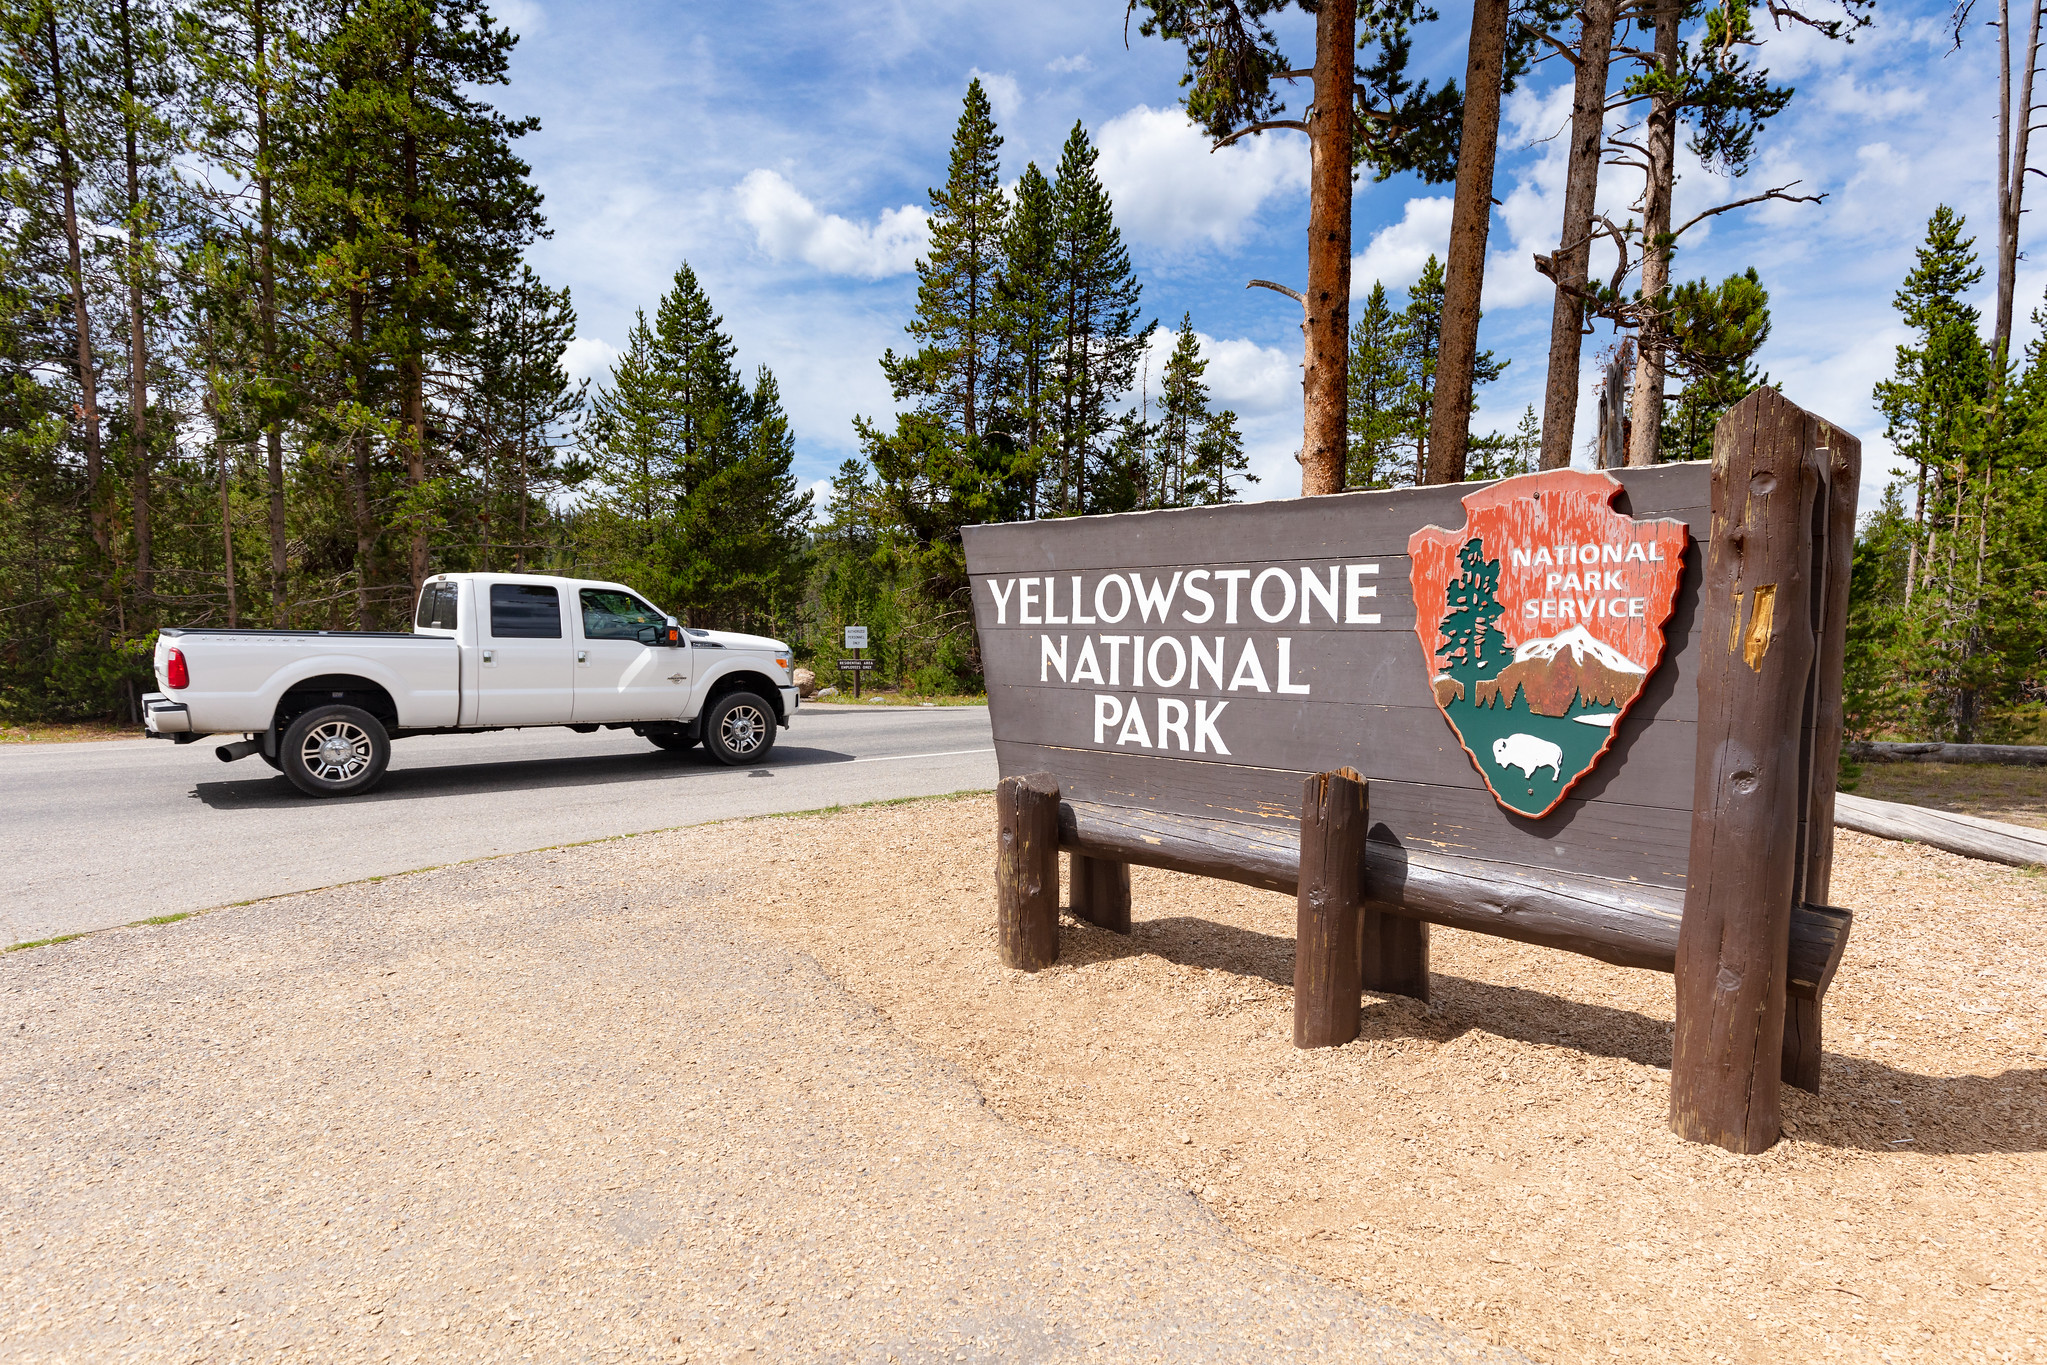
336, 751
743, 729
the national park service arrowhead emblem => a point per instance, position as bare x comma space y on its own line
1542, 621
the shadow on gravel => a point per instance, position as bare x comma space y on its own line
1864, 1105
464, 779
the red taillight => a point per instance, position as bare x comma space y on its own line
175, 674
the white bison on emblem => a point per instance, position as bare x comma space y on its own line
1529, 752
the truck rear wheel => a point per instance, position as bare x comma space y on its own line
739, 728
335, 751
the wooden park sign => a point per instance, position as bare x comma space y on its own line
1593, 711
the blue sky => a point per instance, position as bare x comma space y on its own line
786, 150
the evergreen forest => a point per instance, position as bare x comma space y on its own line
272, 353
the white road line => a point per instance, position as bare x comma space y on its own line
897, 758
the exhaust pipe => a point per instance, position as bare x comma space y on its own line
241, 748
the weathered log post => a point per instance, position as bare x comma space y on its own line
1027, 870
1754, 670
1395, 954
1843, 454
1101, 892
1326, 948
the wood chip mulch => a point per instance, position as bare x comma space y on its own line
1500, 1158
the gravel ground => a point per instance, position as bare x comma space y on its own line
561, 1106
1499, 1160
745, 1077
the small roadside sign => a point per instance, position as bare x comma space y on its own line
856, 665
856, 637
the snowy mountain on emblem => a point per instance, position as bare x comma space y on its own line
1556, 673
1580, 642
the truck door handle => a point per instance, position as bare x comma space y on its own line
583, 657
490, 658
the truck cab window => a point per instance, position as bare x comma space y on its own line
437, 607
609, 614
525, 611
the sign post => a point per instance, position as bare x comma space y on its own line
856, 640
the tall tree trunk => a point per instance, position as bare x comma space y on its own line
1471, 218
227, 531
138, 335
1646, 415
1573, 260
273, 432
359, 468
412, 372
2014, 128
1325, 383
81, 315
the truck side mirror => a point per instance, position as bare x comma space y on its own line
668, 637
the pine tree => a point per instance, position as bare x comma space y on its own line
1504, 454
954, 373
1376, 381
1095, 295
1219, 460
1183, 415
1420, 333
1025, 300
1474, 648
1714, 332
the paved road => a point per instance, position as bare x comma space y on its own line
107, 833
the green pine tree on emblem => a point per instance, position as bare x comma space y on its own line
1476, 648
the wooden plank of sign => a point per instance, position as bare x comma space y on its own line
1627, 924
1328, 891
1359, 665
1843, 452
1650, 763
1337, 526
1727, 1050
1027, 871
1640, 843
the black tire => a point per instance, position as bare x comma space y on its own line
335, 751
739, 728
674, 741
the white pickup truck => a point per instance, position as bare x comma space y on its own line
487, 652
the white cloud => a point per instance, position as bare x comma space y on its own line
589, 358
1067, 65
1252, 379
1397, 252
523, 17
788, 226
1172, 193
1005, 96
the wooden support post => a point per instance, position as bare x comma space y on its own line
1326, 918
1101, 892
1836, 561
1754, 668
1027, 870
1395, 954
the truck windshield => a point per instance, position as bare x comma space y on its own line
609, 614
525, 611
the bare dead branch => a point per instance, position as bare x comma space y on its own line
1251, 129
1562, 49
1293, 294
1778, 194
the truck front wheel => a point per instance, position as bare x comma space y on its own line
739, 728
335, 751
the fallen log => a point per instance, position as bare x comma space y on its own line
1883, 751
1964, 834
